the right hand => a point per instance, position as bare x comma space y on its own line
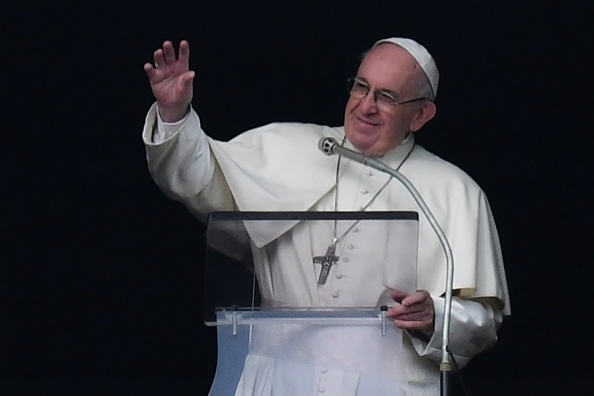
171, 81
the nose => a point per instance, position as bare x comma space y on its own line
368, 104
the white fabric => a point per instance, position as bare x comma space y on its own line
278, 167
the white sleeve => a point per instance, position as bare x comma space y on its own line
166, 130
473, 328
182, 165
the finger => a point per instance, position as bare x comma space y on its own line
415, 298
184, 51
152, 73
398, 295
418, 316
159, 58
149, 69
414, 325
188, 79
401, 312
168, 52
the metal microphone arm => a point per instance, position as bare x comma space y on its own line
330, 146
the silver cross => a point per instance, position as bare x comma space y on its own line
327, 261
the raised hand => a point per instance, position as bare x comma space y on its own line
171, 81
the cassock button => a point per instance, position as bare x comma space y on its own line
364, 191
356, 229
345, 260
369, 173
322, 390
338, 276
335, 295
350, 247
324, 370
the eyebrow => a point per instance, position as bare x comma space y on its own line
395, 95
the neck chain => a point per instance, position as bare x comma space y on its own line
330, 258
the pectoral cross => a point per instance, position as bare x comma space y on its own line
327, 261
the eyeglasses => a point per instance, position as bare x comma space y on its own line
384, 100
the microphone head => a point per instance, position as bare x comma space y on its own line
327, 144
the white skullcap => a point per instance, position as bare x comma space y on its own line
421, 55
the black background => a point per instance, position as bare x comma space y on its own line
101, 275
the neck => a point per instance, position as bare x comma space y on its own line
392, 156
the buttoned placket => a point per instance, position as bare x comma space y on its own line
361, 191
330, 382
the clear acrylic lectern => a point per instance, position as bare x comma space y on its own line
309, 288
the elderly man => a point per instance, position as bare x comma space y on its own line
278, 167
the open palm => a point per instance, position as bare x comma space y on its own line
171, 80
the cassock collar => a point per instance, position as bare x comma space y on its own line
394, 157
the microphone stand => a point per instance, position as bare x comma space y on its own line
330, 146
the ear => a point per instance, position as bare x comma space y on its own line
424, 114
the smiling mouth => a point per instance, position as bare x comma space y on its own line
366, 122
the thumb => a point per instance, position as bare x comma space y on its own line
188, 79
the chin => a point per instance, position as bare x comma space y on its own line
361, 141
364, 148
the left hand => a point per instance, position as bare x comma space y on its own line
415, 311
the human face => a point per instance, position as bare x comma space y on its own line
389, 68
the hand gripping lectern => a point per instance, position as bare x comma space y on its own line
299, 300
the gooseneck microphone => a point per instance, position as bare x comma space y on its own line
330, 146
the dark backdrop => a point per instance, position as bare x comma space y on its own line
101, 275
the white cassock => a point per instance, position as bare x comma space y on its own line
278, 167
